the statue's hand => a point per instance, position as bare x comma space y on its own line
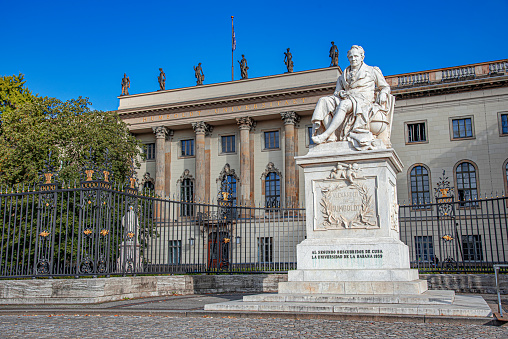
383, 98
343, 94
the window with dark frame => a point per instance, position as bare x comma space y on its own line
309, 132
462, 128
174, 252
472, 247
504, 123
272, 140
416, 132
265, 249
187, 148
228, 144
272, 190
466, 180
424, 248
420, 188
187, 196
149, 151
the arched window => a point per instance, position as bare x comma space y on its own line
186, 182
272, 190
227, 180
466, 181
420, 190
187, 195
229, 185
506, 176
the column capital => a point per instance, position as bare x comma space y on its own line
162, 132
290, 118
202, 127
245, 123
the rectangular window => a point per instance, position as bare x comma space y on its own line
309, 132
188, 148
416, 132
272, 140
424, 248
174, 252
228, 144
149, 150
462, 128
265, 249
504, 123
472, 247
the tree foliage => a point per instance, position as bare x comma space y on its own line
33, 126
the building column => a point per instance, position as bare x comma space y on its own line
167, 163
245, 125
290, 189
201, 128
161, 133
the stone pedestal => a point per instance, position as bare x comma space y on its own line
352, 225
352, 261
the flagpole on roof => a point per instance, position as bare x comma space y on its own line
233, 47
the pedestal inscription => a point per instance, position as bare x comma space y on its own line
345, 200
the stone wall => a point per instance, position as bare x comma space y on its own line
76, 291
83, 291
466, 283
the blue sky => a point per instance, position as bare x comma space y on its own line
68, 49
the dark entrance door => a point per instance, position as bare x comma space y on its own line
218, 250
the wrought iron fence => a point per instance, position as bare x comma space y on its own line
450, 236
100, 228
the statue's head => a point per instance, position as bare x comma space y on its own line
356, 55
160, 69
333, 43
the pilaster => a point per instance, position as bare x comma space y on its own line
245, 124
201, 129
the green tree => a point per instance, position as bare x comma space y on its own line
13, 92
33, 126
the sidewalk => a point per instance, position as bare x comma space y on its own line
192, 306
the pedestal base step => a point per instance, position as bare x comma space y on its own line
353, 287
465, 306
428, 298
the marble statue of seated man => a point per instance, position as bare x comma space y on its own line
361, 96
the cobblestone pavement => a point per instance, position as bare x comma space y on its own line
68, 326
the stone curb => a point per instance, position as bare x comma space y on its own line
263, 315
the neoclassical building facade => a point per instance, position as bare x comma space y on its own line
247, 132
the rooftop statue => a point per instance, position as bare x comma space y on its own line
288, 60
162, 80
198, 73
243, 67
360, 110
334, 54
126, 84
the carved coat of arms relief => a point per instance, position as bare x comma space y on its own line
345, 200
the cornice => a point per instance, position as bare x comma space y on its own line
442, 88
230, 101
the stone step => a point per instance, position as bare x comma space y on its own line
353, 287
402, 274
463, 306
427, 298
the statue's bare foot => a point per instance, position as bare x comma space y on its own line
319, 139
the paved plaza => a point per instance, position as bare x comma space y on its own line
111, 326
182, 316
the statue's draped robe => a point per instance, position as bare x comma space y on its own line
361, 89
